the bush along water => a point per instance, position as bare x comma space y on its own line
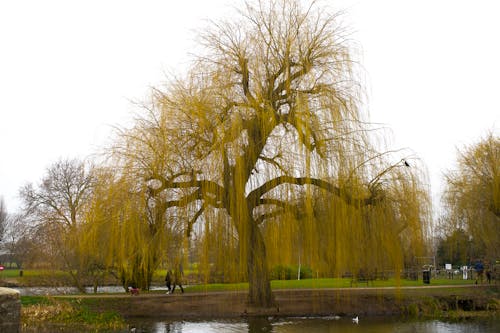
453, 307
40, 311
283, 272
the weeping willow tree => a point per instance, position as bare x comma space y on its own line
123, 235
264, 136
472, 194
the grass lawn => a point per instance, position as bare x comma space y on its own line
31, 273
9, 273
34, 277
326, 283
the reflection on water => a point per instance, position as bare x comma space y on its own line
293, 325
41, 291
313, 325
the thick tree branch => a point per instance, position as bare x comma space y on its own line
266, 216
285, 206
193, 220
255, 196
209, 191
245, 79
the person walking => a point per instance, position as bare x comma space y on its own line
479, 267
168, 282
178, 280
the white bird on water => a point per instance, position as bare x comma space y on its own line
355, 320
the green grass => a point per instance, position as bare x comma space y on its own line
326, 283
31, 273
83, 315
320, 283
346, 283
9, 273
217, 287
34, 300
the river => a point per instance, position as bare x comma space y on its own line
42, 291
301, 324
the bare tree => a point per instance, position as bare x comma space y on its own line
61, 195
57, 205
21, 242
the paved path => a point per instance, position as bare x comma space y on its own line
346, 289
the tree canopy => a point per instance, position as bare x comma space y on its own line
472, 194
265, 128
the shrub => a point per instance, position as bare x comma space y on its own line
282, 272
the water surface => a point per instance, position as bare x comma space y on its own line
316, 325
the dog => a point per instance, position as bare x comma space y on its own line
133, 291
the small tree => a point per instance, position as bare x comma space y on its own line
20, 241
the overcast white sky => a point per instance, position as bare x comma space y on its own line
69, 70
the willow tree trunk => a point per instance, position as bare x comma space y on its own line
250, 237
260, 294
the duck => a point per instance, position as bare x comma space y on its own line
355, 320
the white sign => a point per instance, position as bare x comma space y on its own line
447, 266
464, 272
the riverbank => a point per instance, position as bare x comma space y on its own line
427, 301
114, 311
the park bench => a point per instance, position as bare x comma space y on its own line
363, 277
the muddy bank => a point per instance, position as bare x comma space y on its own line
428, 301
